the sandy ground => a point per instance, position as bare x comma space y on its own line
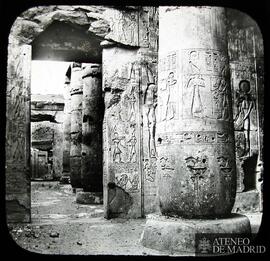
61, 226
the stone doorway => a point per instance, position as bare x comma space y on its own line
58, 130
58, 41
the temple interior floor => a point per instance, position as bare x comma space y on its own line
61, 226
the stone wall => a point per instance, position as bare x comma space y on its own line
129, 85
18, 133
246, 52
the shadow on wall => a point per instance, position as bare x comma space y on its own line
249, 168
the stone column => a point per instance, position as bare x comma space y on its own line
76, 93
66, 142
92, 116
195, 138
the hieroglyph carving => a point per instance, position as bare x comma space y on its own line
225, 167
149, 168
129, 181
167, 165
195, 137
197, 168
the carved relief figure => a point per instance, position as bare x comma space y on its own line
150, 102
194, 83
132, 101
129, 181
132, 156
244, 104
149, 170
117, 151
132, 23
169, 106
134, 183
220, 95
116, 23
122, 181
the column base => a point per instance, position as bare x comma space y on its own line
89, 197
177, 235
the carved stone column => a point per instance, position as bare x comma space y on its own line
76, 86
195, 138
92, 115
67, 125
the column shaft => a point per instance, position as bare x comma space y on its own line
66, 141
92, 114
76, 125
195, 129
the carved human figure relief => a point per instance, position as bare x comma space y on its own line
149, 168
134, 181
122, 180
131, 143
132, 101
195, 83
169, 104
129, 180
244, 104
132, 26
150, 102
117, 152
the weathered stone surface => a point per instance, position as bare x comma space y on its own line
121, 132
17, 134
76, 86
89, 197
118, 201
57, 152
92, 116
195, 141
129, 83
247, 202
178, 235
66, 125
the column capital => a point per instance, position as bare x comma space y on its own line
93, 70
